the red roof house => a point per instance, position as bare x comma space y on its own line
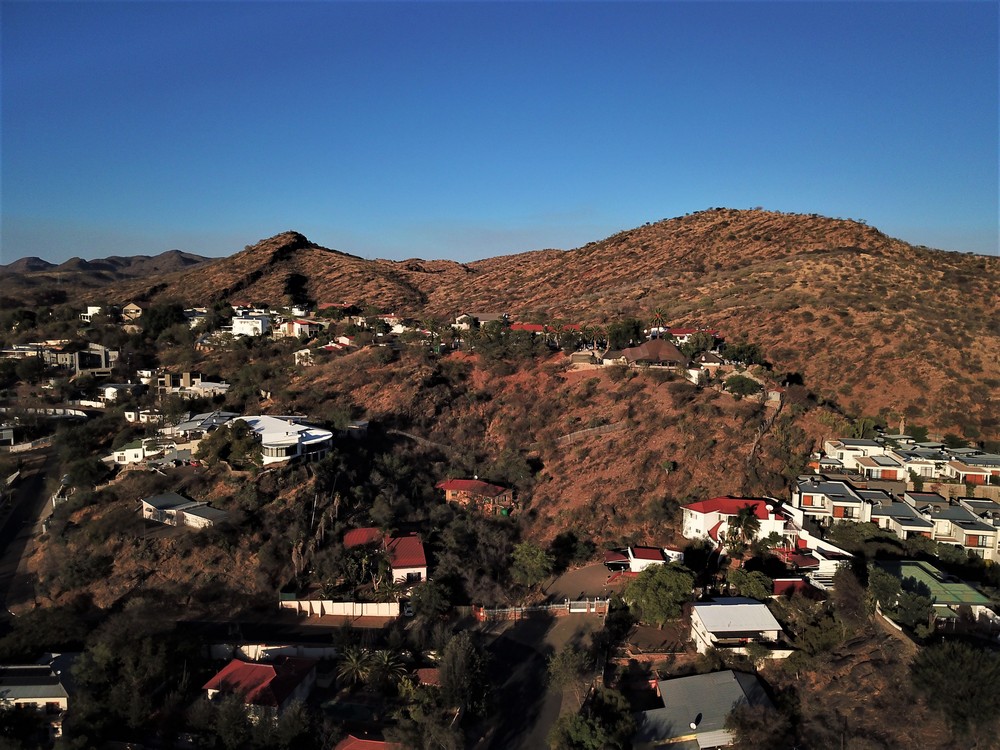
406, 557
265, 687
709, 519
405, 553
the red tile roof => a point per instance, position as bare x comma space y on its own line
530, 327
353, 742
614, 557
262, 684
406, 552
429, 676
729, 506
362, 537
714, 531
648, 553
789, 586
474, 486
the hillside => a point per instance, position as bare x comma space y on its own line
848, 308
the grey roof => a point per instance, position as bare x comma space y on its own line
704, 699
30, 682
838, 491
857, 443
207, 512
167, 501
875, 496
895, 509
985, 460
736, 615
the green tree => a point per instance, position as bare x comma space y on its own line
430, 599
755, 727
232, 725
960, 681
697, 343
753, 584
743, 528
531, 564
659, 592
463, 674
30, 369
568, 667
354, 666
883, 588
745, 353
741, 385
605, 722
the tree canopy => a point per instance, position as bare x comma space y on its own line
659, 592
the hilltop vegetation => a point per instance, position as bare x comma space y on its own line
834, 301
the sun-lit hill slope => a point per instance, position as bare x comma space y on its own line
288, 266
868, 321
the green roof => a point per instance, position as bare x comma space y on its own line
946, 589
131, 446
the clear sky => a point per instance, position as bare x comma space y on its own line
466, 130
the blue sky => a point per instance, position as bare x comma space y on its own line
466, 130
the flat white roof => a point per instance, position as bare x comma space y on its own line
736, 617
278, 431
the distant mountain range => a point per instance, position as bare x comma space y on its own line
123, 266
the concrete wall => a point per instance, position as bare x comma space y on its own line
321, 607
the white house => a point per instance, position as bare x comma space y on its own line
251, 325
849, 450
36, 686
285, 438
709, 519
176, 510
92, 312
732, 622
640, 558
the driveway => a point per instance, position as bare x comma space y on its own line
587, 582
525, 707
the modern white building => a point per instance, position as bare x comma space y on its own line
251, 325
285, 438
732, 622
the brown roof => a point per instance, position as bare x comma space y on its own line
474, 486
655, 350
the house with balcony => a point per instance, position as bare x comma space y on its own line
732, 622
285, 438
880, 467
829, 501
176, 510
251, 325
709, 519
849, 450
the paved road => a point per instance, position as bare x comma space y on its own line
526, 709
17, 534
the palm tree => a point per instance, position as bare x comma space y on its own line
386, 668
659, 320
743, 529
355, 665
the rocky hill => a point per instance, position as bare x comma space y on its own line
868, 322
